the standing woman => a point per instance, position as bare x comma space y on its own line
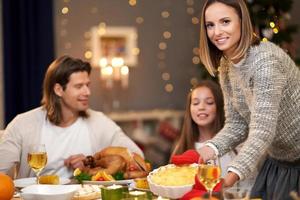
204, 118
261, 88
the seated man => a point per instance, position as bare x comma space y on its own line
64, 123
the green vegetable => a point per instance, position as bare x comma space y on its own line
119, 176
83, 177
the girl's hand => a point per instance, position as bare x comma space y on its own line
230, 179
206, 153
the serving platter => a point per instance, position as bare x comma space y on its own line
106, 183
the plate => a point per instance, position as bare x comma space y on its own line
46, 192
24, 182
119, 182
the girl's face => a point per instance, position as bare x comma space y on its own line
223, 27
203, 107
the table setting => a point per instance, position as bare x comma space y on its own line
184, 178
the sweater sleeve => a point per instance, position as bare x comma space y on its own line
235, 128
10, 147
269, 82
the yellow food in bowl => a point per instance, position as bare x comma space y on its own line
175, 176
141, 183
49, 179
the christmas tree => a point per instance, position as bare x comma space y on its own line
271, 22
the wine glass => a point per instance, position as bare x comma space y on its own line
209, 174
236, 193
37, 159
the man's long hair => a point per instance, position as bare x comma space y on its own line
59, 72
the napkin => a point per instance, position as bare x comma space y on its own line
188, 157
199, 190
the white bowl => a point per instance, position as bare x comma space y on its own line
173, 192
49, 192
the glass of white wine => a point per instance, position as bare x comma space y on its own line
37, 159
209, 174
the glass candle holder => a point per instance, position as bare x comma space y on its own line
113, 192
136, 195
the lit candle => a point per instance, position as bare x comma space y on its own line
113, 192
124, 76
106, 75
137, 195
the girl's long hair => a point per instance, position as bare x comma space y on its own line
190, 132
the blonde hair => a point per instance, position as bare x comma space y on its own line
209, 54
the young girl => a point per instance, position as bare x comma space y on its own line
261, 87
204, 117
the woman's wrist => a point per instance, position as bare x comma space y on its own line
230, 179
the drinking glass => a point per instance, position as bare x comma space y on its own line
37, 159
236, 193
209, 174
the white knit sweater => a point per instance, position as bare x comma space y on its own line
262, 106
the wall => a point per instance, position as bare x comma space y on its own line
146, 87
295, 19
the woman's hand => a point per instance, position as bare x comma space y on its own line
230, 179
206, 153
75, 161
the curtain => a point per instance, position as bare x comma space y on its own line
28, 48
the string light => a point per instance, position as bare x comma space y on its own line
264, 39
195, 20
65, 10
161, 55
190, 2
162, 46
196, 50
194, 81
167, 35
165, 14
169, 87
272, 24
275, 30
196, 60
136, 51
132, 2
68, 45
63, 32
139, 20
166, 76
190, 11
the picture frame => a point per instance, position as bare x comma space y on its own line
114, 41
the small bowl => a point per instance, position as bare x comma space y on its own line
46, 192
173, 192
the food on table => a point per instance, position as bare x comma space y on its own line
49, 179
175, 175
102, 176
141, 183
113, 163
7, 187
81, 176
88, 192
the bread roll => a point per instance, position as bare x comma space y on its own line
49, 179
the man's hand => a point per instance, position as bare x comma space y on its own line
75, 161
206, 153
230, 179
